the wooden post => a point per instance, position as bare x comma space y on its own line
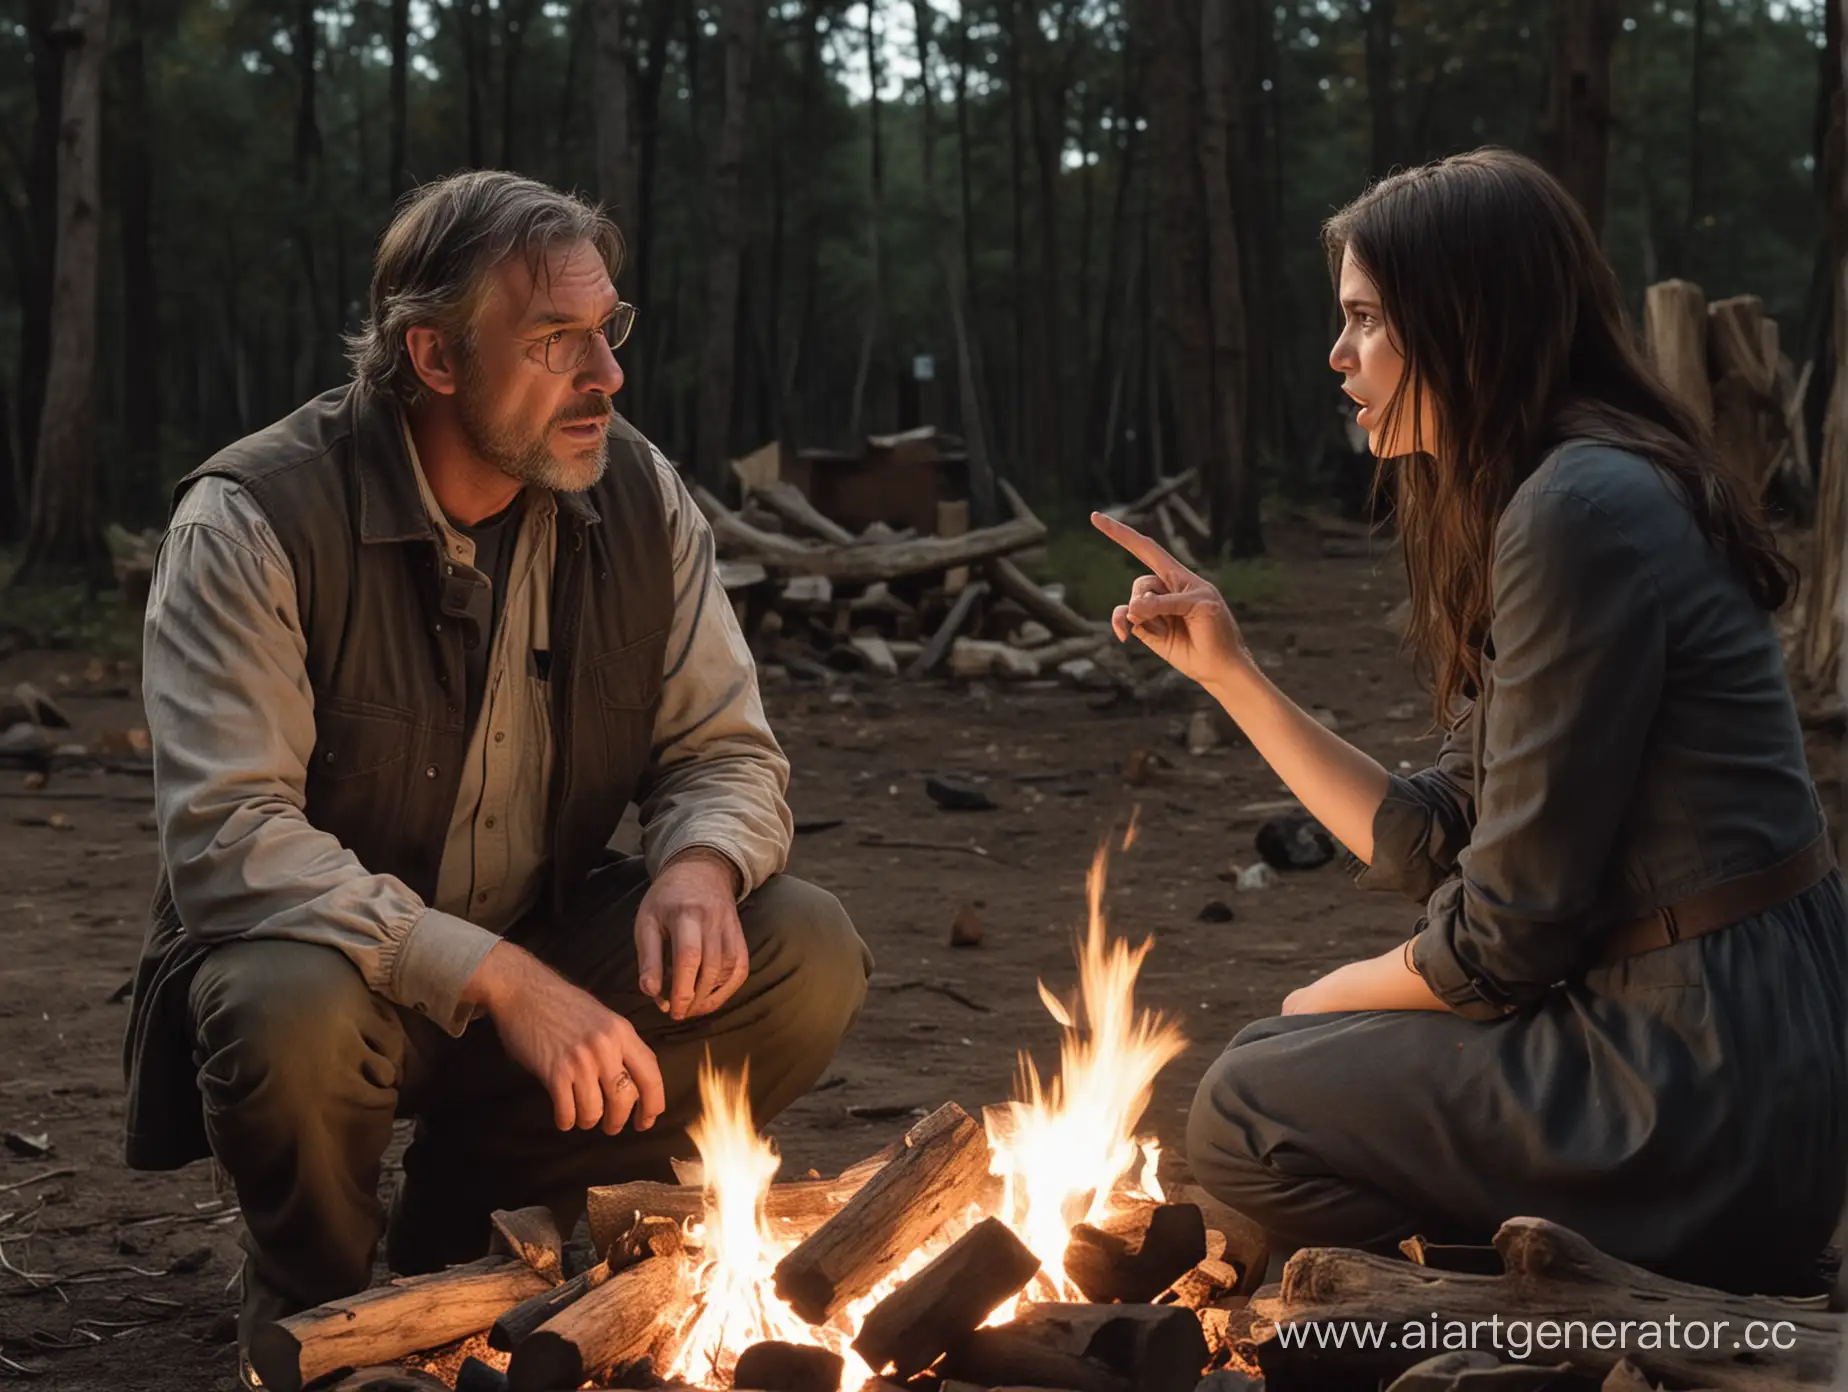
949, 1298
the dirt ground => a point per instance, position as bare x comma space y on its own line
116, 1280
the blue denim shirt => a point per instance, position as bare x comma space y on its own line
1634, 741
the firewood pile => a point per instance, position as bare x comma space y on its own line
817, 599
1172, 1301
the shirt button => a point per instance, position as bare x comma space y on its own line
482, 897
489, 824
430, 772
500, 737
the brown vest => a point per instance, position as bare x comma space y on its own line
386, 622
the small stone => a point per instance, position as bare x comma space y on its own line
1295, 841
33, 781
1257, 876
957, 794
1405, 710
1217, 911
1032, 634
966, 930
31, 1147
1206, 731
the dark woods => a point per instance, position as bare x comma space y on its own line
1080, 233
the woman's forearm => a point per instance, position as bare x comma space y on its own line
1340, 786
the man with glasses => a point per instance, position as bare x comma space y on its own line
411, 653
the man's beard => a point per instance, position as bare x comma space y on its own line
528, 458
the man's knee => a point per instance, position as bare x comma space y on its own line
804, 945
289, 1025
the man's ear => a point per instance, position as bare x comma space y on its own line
433, 359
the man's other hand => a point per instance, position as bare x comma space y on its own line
688, 922
590, 1059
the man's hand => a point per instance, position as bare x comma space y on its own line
691, 911
590, 1059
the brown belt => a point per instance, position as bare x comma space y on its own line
1723, 904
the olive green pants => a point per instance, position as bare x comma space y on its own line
303, 1069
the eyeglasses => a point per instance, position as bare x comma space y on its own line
566, 349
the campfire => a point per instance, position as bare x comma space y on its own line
999, 1250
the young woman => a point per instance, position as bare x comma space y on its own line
1623, 1009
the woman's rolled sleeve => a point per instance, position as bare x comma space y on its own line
1579, 644
1424, 822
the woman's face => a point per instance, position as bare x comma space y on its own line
1371, 365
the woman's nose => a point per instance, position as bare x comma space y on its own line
1341, 357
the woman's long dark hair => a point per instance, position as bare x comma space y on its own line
1495, 289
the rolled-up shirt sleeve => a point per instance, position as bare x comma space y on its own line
1578, 643
1425, 820
231, 716
717, 778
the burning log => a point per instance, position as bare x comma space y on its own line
1129, 1348
476, 1376
793, 1210
1551, 1274
616, 1322
528, 1315
1246, 1245
531, 1234
948, 1299
1210, 1283
388, 1322
1138, 1254
943, 1169
778, 1367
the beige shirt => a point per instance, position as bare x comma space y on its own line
232, 719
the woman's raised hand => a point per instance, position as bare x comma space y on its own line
1178, 615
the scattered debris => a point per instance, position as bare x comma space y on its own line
31, 1147
34, 781
1295, 841
56, 821
34, 707
1257, 876
966, 929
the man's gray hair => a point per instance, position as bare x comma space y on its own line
435, 259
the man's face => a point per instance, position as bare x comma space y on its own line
536, 425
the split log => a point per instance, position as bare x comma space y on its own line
1138, 1254
1675, 332
1002, 1356
513, 1326
772, 1366
1748, 417
1551, 1274
787, 501
1247, 1247
974, 658
476, 1376
1051, 655
619, 1321
944, 1168
388, 1322
1151, 1348
1212, 1282
1014, 583
947, 1299
952, 624
793, 1210
531, 1235
861, 561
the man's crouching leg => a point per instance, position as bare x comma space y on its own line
299, 1066
486, 1136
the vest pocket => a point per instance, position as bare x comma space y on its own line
357, 738
629, 677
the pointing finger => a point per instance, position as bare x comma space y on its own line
1144, 548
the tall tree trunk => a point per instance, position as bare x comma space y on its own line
616, 173
648, 144
1379, 22
398, 177
875, 301
307, 159
12, 495
1019, 445
1697, 102
516, 15
64, 540
470, 19
968, 368
719, 351
48, 59
141, 344
793, 345
1576, 132
1230, 497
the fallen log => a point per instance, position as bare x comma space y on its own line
1551, 1276
1138, 1254
974, 658
863, 561
793, 1210
510, 1328
1150, 1348
1212, 1282
619, 1321
1160, 492
388, 1322
1051, 655
786, 500
1014, 583
947, 1299
944, 1168
531, 1235
772, 1366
